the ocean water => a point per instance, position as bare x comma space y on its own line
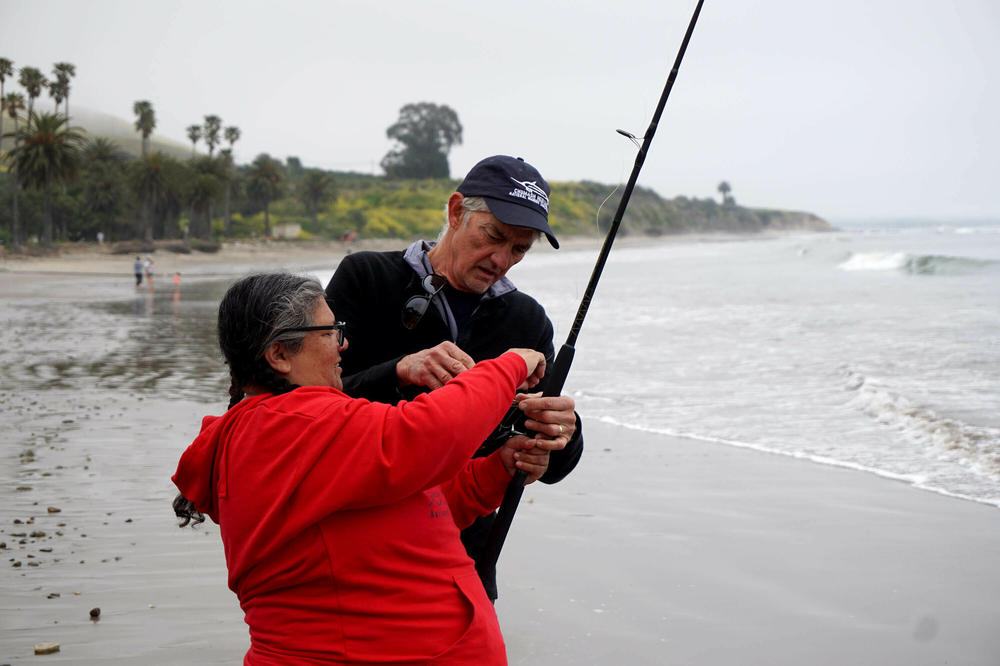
874, 347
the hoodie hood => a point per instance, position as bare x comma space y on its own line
201, 471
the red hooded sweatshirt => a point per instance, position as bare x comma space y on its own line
340, 519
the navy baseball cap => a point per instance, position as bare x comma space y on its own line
514, 191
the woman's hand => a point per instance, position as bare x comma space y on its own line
520, 453
536, 366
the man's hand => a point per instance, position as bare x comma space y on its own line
433, 367
552, 418
520, 453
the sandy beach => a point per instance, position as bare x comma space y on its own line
657, 550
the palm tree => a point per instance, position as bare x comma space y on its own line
315, 189
148, 178
232, 135
64, 71
145, 122
104, 150
194, 133
58, 91
213, 124
14, 104
265, 185
226, 159
6, 69
724, 190
103, 197
48, 152
202, 191
32, 80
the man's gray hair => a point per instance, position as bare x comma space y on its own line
472, 205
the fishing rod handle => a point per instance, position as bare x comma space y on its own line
560, 370
512, 496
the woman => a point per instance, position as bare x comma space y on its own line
340, 517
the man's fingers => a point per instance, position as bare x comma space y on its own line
554, 444
536, 403
452, 357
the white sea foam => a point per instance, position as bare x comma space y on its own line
919, 264
875, 261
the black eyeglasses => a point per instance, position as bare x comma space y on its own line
336, 326
416, 306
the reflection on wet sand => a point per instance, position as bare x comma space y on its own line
161, 341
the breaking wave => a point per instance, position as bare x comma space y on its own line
916, 264
974, 448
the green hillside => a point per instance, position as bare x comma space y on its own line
375, 206
192, 195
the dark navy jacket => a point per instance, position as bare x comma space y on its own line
369, 290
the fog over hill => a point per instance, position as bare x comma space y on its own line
123, 132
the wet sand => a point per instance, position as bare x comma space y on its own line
656, 550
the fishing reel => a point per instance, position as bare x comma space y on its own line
512, 424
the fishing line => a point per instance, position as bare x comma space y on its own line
635, 140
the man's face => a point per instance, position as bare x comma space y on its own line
483, 249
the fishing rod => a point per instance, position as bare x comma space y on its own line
487, 561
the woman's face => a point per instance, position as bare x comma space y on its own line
318, 362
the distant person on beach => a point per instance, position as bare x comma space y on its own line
148, 268
137, 269
340, 517
419, 317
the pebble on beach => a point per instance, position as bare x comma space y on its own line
95, 614
46, 648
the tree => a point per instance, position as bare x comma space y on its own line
265, 186
6, 69
103, 197
32, 80
194, 133
724, 190
293, 167
202, 190
148, 179
58, 91
64, 71
213, 125
315, 189
232, 135
424, 134
13, 103
48, 152
145, 122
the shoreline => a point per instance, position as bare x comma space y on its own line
94, 259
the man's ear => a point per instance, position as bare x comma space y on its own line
455, 210
277, 357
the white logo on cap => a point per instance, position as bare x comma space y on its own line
532, 192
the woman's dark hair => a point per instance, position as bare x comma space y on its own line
251, 312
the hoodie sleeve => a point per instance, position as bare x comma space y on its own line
477, 490
354, 454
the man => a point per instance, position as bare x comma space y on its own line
417, 318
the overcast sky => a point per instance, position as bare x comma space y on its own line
845, 108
